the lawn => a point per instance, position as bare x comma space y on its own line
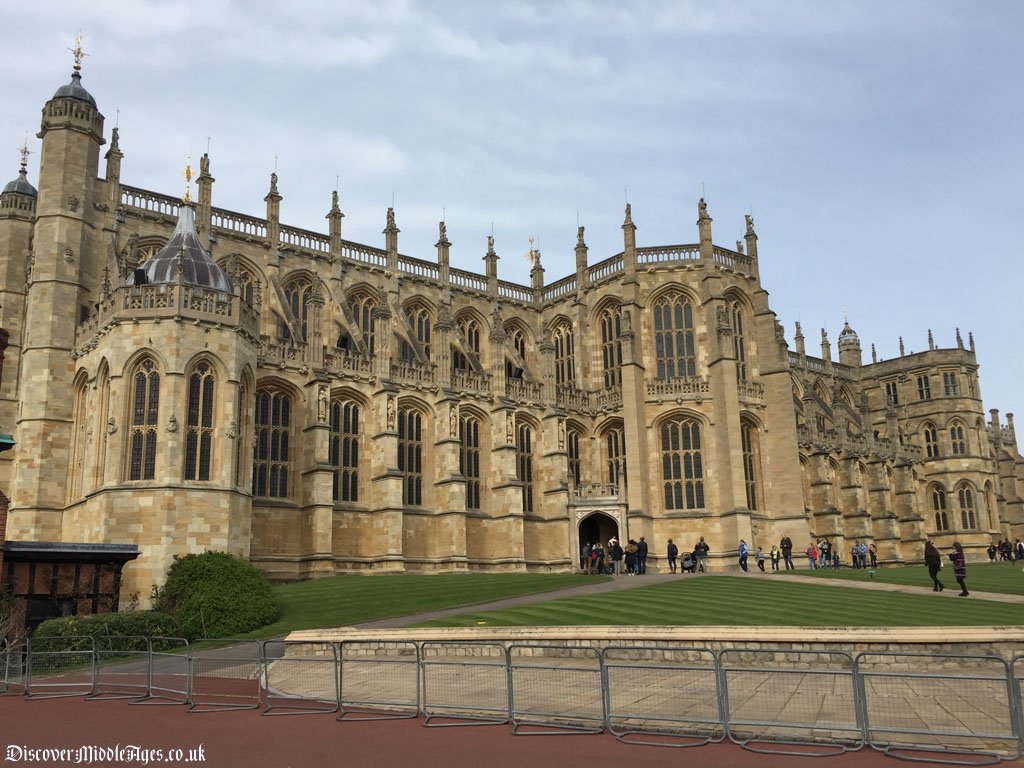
981, 577
732, 600
342, 600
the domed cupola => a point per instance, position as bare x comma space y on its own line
75, 90
849, 346
21, 185
183, 252
848, 335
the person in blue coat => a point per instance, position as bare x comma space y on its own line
744, 551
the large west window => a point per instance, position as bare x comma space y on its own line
682, 465
673, 337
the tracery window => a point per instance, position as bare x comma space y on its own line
524, 463
673, 337
410, 455
469, 458
931, 442
565, 355
572, 447
682, 464
80, 420
512, 369
271, 461
749, 444
145, 408
739, 345
615, 458
892, 393
199, 423
247, 286
939, 507
470, 330
956, 438
965, 496
362, 306
611, 345
950, 385
420, 323
343, 453
297, 294
924, 388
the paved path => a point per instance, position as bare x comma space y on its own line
632, 582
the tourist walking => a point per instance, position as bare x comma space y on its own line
700, 553
933, 561
760, 559
786, 545
959, 567
991, 553
641, 556
597, 559
743, 555
673, 553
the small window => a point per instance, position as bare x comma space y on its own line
892, 393
924, 388
950, 385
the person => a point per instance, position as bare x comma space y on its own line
1019, 549
598, 558
854, 557
959, 567
933, 560
873, 554
700, 554
812, 557
631, 550
991, 553
824, 561
641, 556
835, 559
615, 553
743, 555
862, 553
760, 559
585, 557
776, 556
673, 553
786, 545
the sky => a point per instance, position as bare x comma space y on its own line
877, 143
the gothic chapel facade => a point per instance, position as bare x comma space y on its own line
192, 378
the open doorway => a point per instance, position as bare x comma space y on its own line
598, 527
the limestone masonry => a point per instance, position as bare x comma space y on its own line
191, 378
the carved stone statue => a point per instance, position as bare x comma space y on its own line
453, 421
391, 218
322, 403
172, 424
391, 412
579, 236
273, 183
204, 164
750, 224
702, 208
561, 434
334, 201
510, 428
490, 244
442, 230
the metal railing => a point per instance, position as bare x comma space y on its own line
939, 708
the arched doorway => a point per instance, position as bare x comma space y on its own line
597, 527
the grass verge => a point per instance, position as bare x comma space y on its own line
1007, 578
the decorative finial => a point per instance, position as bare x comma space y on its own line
959, 339
187, 173
115, 138
273, 178
490, 245
77, 51
970, 339
579, 236
750, 223
334, 202
874, 354
702, 209
629, 214
739, 246
931, 340
901, 347
442, 230
798, 331
25, 152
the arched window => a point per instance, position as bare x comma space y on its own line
469, 458
297, 294
199, 423
572, 447
673, 337
344, 449
524, 463
931, 441
470, 330
419, 322
965, 496
611, 345
271, 460
615, 458
956, 437
244, 411
939, 508
518, 339
80, 421
145, 400
682, 465
362, 305
410, 455
751, 462
565, 355
247, 286
739, 345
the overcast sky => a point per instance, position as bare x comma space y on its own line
877, 143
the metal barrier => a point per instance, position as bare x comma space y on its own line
122, 668
300, 678
379, 681
555, 689
227, 678
1017, 681
668, 693
777, 696
12, 674
169, 674
465, 683
60, 666
962, 705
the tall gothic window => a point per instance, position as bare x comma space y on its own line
469, 458
247, 286
956, 437
142, 435
740, 345
615, 458
271, 460
682, 464
518, 338
81, 427
673, 337
243, 409
470, 330
565, 355
611, 345
965, 496
939, 507
199, 423
362, 306
572, 447
410, 455
524, 463
931, 441
344, 449
297, 295
748, 441
419, 321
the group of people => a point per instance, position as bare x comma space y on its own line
596, 559
1008, 553
933, 561
695, 561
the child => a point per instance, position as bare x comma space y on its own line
776, 557
760, 559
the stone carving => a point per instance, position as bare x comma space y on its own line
723, 320
391, 412
172, 424
702, 209
750, 224
510, 428
233, 430
111, 426
273, 183
73, 203
69, 255
391, 218
321, 399
561, 434
453, 421
204, 164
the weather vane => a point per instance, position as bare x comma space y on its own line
77, 51
25, 152
187, 173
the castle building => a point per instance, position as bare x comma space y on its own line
192, 378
